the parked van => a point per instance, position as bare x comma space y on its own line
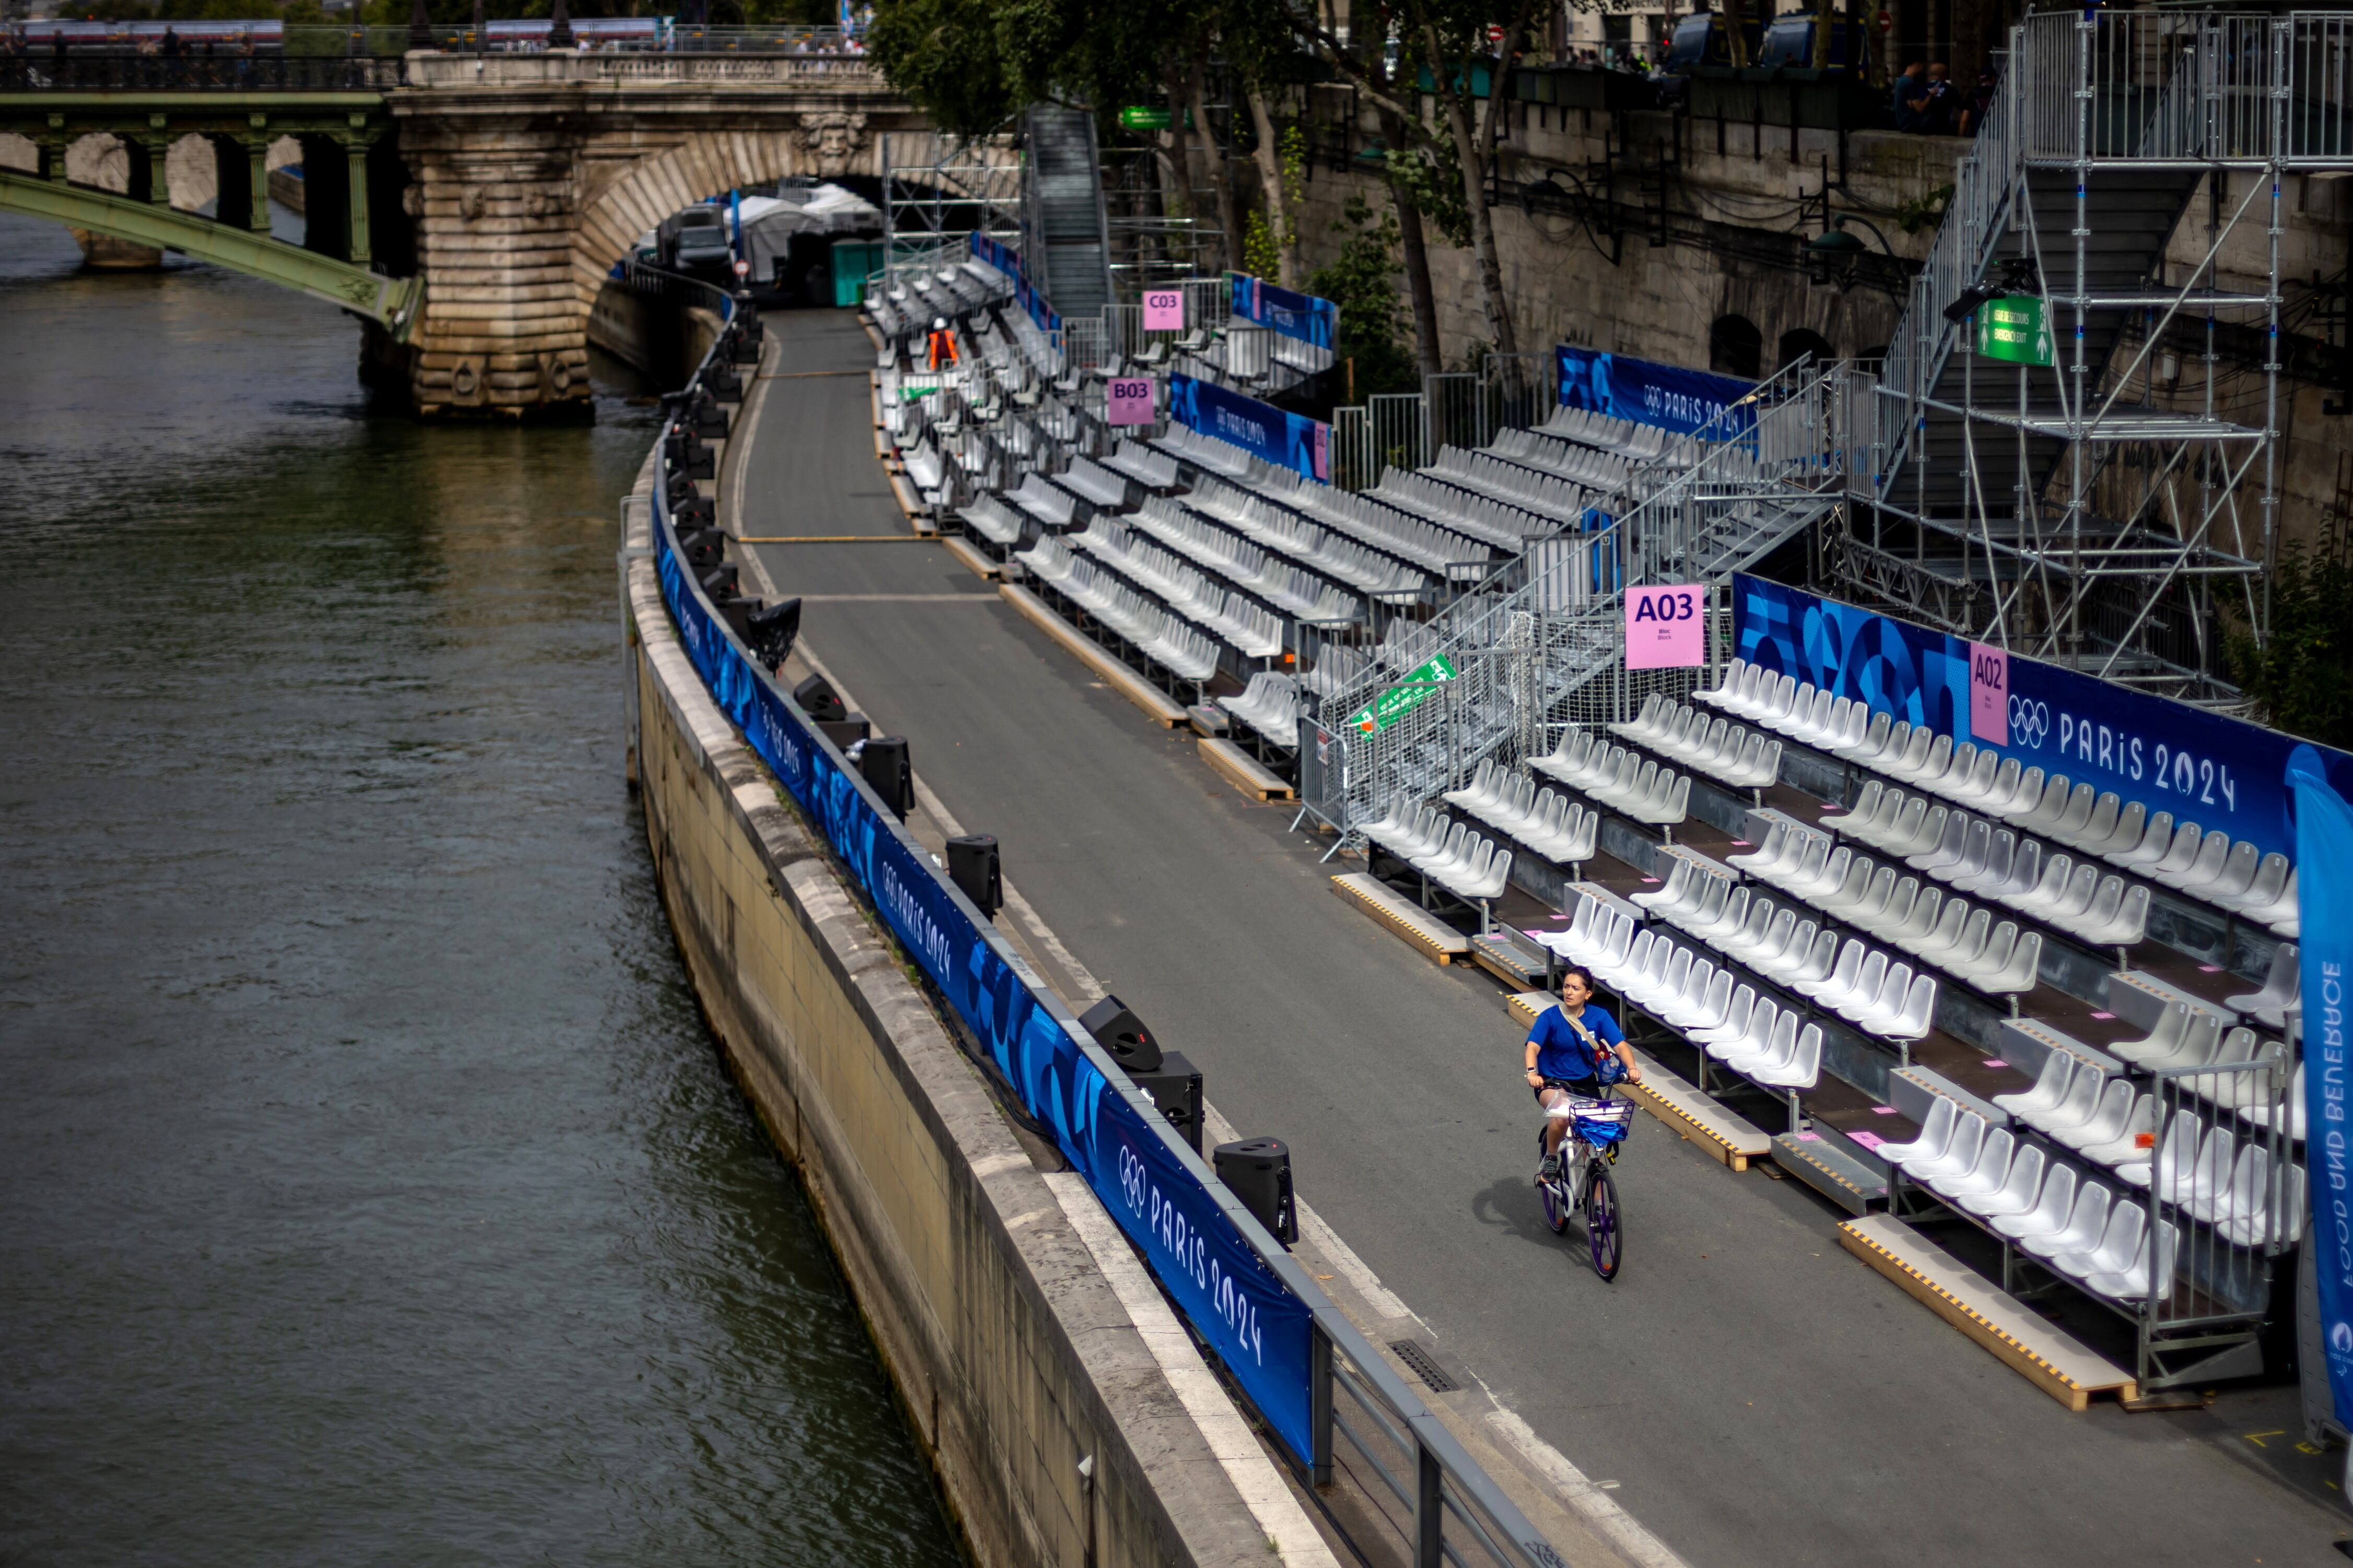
1704, 39
695, 240
1789, 42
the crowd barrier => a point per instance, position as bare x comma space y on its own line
1307, 1371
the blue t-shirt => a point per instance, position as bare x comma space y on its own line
1561, 1052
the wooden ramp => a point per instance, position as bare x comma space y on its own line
1243, 770
1432, 937
1728, 1137
2045, 1355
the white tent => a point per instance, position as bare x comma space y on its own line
770, 221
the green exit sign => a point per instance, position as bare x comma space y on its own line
2013, 329
1136, 117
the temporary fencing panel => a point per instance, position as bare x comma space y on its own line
1400, 432
1355, 465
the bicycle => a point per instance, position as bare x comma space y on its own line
1597, 1128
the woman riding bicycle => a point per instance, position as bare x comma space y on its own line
1566, 1052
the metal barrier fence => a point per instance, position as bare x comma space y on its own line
1347, 1417
2228, 1198
1354, 463
1400, 432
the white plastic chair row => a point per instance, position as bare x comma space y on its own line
1153, 471
1622, 780
1252, 631
1091, 481
1039, 498
2075, 1228
1724, 752
994, 520
1480, 517
1464, 863
1996, 863
1770, 1045
1270, 705
2281, 991
1999, 960
1549, 824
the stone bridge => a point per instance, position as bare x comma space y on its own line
509, 183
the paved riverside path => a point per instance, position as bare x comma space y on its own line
1760, 1396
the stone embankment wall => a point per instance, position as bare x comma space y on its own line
1013, 1356
1660, 301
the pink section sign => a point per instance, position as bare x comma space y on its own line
1666, 627
1128, 399
1988, 694
1164, 309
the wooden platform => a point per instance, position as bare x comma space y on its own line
1727, 1137
1502, 957
1244, 770
1424, 932
2045, 1355
1527, 1006
973, 561
1846, 1182
1164, 709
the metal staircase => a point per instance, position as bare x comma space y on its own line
1542, 642
1069, 240
2071, 512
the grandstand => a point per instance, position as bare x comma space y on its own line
1987, 983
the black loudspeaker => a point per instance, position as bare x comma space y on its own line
722, 382
739, 613
679, 487
695, 512
747, 322
706, 550
1175, 1086
884, 762
773, 631
710, 419
819, 701
1122, 1033
845, 732
1258, 1171
745, 349
972, 866
720, 583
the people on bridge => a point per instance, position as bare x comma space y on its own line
941, 351
1574, 1047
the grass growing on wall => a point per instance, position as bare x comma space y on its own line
2303, 677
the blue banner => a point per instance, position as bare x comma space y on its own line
1300, 316
2220, 773
1238, 1305
2323, 844
1008, 260
1287, 440
1666, 395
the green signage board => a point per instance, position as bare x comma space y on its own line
1137, 117
1418, 687
2013, 329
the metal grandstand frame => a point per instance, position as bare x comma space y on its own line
1540, 644
2151, 515
928, 176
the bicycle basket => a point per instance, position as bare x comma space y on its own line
1602, 1125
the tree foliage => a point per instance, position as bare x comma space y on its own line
2302, 677
1362, 281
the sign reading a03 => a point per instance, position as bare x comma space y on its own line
1666, 627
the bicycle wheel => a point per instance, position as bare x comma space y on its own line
1604, 1238
1556, 1207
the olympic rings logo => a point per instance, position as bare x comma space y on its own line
2029, 722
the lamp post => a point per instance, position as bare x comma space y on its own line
559, 27
420, 25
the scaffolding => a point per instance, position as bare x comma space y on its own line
938, 188
2045, 478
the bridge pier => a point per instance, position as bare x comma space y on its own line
241, 178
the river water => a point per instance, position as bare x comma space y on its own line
370, 1189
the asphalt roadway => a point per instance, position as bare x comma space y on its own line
1759, 1395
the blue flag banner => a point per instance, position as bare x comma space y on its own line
2324, 859
1300, 316
1648, 393
1259, 1328
1287, 440
1008, 260
2219, 773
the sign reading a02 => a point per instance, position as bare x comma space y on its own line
1164, 309
1666, 627
1988, 694
1128, 400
